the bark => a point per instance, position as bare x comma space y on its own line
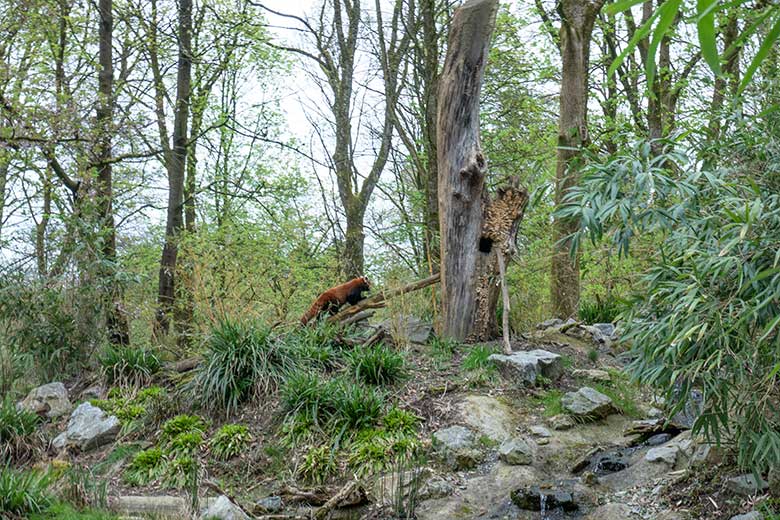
577, 19
461, 163
430, 76
176, 173
5, 162
729, 80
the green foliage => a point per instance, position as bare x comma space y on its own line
23, 493
599, 310
146, 467
624, 394
376, 365
18, 427
182, 424
129, 365
356, 406
443, 348
185, 443
477, 358
242, 361
374, 451
551, 402
318, 465
397, 420
229, 441
707, 315
64, 511
308, 395
180, 472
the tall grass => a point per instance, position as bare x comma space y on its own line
18, 431
23, 493
376, 365
129, 365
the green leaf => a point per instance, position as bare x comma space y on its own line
639, 35
707, 35
622, 5
666, 15
766, 46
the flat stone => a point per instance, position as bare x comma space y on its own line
50, 400
587, 403
608, 330
552, 322
457, 447
592, 374
223, 509
752, 515
611, 512
164, 506
561, 422
667, 454
540, 431
88, 427
746, 484
658, 439
524, 367
516, 452
706, 455
435, 487
488, 416
531, 499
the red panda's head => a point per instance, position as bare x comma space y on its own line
364, 283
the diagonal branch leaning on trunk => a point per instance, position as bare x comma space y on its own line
378, 300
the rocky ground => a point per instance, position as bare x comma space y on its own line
553, 431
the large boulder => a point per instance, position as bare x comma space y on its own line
666, 454
408, 329
50, 400
457, 447
488, 416
587, 403
223, 509
746, 485
88, 428
525, 367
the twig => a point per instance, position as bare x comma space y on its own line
340, 499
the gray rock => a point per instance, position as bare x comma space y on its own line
488, 416
223, 509
606, 329
388, 487
667, 454
88, 427
611, 512
693, 408
774, 481
531, 499
753, 515
457, 447
552, 322
658, 439
266, 505
587, 403
561, 422
50, 400
516, 452
746, 484
435, 487
408, 329
706, 455
525, 367
594, 374
540, 431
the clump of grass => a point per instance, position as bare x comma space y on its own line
180, 472
600, 311
129, 365
146, 467
229, 441
376, 450
18, 431
551, 402
397, 420
182, 424
318, 346
186, 443
443, 348
477, 358
134, 411
593, 355
309, 395
23, 493
376, 365
242, 362
624, 394
356, 407
318, 465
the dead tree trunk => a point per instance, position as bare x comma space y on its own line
468, 219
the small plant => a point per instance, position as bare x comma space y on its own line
181, 473
593, 355
600, 311
443, 348
397, 420
146, 467
18, 429
242, 362
318, 465
551, 402
78, 486
182, 424
357, 407
129, 365
477, 358
318, 345
186, 443
229, 441
309, 395
23, 493
623, 393
376, 365
375, 450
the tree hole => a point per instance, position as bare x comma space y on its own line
485, 244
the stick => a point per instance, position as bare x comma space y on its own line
334, 502
378, 300
505, 296
363, 315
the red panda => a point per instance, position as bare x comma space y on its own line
332, 299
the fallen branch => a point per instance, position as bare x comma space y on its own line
349, 495
377, 301
360, 316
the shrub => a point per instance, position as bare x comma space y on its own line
600, 311
182, 424
18, 430
309, 395
23, 493
376, 365
186, 443
318, 465
374, 451
129, 365
318, 345
242, 362
146, 467
229, 441
397, 420
356, 407
477, 358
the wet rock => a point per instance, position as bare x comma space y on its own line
752, 515
666, 454
408, 329
50, 400
223, 509
524, 367
267, 505
658, 439
435, 487
540, 431
746, 484
611, 512
561, 422
488, 416
587, 403
532, 498
88, 427
516, 452
594, 374
457, 447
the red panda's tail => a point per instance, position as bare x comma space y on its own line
311, 313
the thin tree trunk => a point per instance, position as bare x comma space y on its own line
730, 76
577, 19
431, 86
461, 163
176, 174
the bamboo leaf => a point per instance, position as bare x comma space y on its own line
766, 46
639, 35
707, 34
666, 15
622, 5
